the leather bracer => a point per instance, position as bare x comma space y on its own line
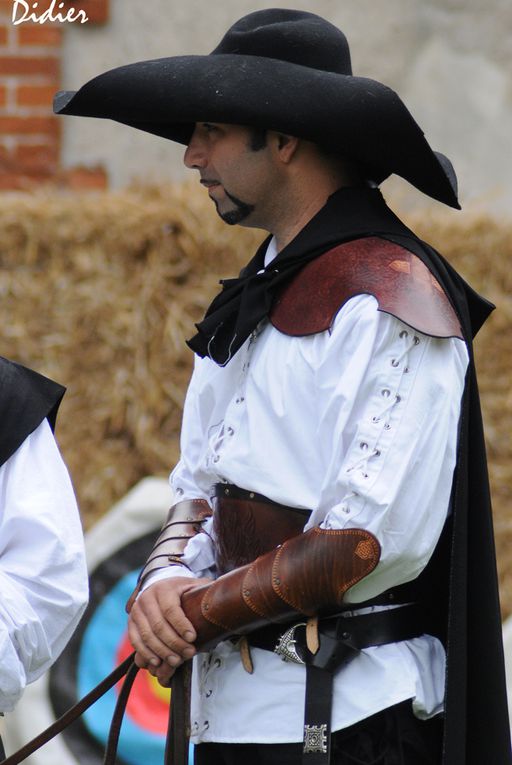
184, 520
309, 574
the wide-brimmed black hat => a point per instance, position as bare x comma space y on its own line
281, 70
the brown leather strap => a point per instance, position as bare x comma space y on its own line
184, 520
72, 714
117, 718
178, 732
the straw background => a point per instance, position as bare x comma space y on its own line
100, 291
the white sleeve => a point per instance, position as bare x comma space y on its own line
389, 405
43, 574
189, 482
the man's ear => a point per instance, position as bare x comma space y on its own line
286, 146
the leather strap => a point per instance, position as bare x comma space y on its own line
117, 718
317, 716
177, 744
72, 714
184, 520
341, 639
339, 634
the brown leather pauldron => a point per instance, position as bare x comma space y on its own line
401, 283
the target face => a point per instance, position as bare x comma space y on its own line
97, 647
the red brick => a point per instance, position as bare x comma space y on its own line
35, 95
42, 6
97, 11
29, 125
4, 35
44, 65
36, 158
3, 95
6, 7
16, 181
32, 34
85, 178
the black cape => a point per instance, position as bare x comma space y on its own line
26, 399
467, 602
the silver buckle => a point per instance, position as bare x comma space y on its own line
285, 647
315, 739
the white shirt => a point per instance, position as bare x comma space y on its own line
359, 424
43, 575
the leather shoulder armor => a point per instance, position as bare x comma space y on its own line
401, 283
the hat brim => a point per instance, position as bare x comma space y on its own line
359, 117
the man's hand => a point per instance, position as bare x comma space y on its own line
159, 631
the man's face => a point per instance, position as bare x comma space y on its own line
238, 178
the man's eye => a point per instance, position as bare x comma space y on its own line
208, 128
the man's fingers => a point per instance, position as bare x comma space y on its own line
164, 675
152, 635
158, 627
169, 602
150, 650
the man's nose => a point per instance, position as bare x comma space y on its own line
195, 154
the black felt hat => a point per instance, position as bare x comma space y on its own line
281, 70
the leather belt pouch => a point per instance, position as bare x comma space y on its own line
247, 525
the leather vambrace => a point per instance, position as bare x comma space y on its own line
184, 520
307, 575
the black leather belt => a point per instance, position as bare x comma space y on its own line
341, 639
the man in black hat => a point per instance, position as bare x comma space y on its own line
43, 576
332, 425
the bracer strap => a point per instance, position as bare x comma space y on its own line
309, 574
184, 520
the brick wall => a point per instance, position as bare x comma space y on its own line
30, 61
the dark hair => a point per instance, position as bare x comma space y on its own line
258, 138
258, 141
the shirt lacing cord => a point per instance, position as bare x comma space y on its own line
383, 415
215, 442
404, 335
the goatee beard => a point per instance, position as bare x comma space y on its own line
241, 212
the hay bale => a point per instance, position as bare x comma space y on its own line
100, 291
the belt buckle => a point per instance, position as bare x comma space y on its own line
285, 647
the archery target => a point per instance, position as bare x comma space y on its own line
98, 646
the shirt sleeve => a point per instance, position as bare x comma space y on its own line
43, 573
188, 480
388, 409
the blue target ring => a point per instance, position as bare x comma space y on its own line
93, 653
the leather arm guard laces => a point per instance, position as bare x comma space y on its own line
184, 520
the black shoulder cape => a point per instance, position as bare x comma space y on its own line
26, 398
477, 725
